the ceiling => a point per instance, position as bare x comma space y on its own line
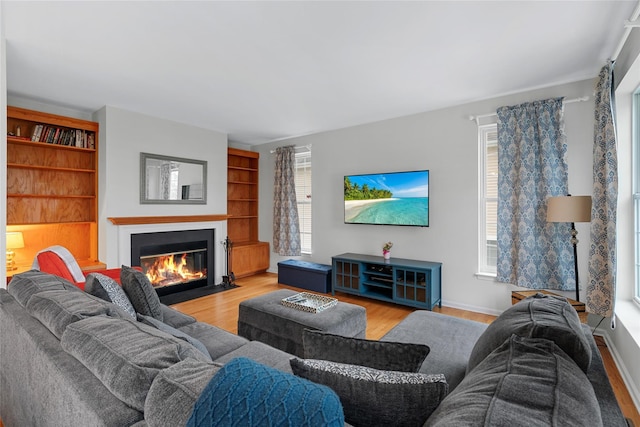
262, 71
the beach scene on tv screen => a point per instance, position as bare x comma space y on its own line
399, 198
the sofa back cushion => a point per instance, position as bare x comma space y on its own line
24, 285
175, 390
538, 316
58, 309
524, 382
125, 355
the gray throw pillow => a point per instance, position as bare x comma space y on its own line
141, 293
125, 355
538, 316
106, 288
148, 320
374, 397
524, 382
58, 309
389, 356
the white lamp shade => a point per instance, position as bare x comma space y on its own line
569, 209
15, 240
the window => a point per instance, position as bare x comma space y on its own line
487, 247
303, 195
636, 189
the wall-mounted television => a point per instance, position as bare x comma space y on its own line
392, 198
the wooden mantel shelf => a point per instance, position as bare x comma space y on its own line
137, 220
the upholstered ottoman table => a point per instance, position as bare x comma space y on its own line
265, 319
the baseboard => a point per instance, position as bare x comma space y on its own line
475, 308
626, 378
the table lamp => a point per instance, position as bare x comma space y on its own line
570, 209
14, 241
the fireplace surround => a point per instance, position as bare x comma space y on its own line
120, 230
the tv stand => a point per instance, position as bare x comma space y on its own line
401, 281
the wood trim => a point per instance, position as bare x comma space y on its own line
243, 153
137, 220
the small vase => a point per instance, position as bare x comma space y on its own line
386, 254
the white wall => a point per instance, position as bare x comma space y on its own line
3, 146
123, 136
446, 143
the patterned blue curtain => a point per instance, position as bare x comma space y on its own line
602, 256
286, 228
531, 168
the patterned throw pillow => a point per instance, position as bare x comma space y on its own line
247, 393
141, 293
374, 397
106, 288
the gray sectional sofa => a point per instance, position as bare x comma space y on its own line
70, 358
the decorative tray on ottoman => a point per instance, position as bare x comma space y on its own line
312, 303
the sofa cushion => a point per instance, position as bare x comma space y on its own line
106, 288
247, 393
175, 390
374, 397
125, 355
155, 323
140, 292
525, 381
538, 316
175, 318
57, 309
24, 285
261, 353
217, 341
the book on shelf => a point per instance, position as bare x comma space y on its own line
62, 136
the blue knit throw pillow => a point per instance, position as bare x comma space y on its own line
247, 393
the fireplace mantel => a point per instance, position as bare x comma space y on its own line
136, 220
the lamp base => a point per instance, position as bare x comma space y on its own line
11, 264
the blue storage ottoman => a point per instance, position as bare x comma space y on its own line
305, 275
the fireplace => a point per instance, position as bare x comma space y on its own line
175, 261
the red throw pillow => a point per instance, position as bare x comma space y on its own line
51, 263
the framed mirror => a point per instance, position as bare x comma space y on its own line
172, 180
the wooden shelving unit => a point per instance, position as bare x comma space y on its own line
249, 256
52, 187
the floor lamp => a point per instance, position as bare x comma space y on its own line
570, 209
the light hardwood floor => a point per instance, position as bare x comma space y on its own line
222, 310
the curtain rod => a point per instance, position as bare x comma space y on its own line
566, 101
628, 26
297, 147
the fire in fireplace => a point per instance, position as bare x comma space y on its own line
175, 261
170, 269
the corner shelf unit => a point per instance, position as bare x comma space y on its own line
52, 182
248, 256
401, 281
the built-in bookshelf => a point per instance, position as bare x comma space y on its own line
249, 256
52, 182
